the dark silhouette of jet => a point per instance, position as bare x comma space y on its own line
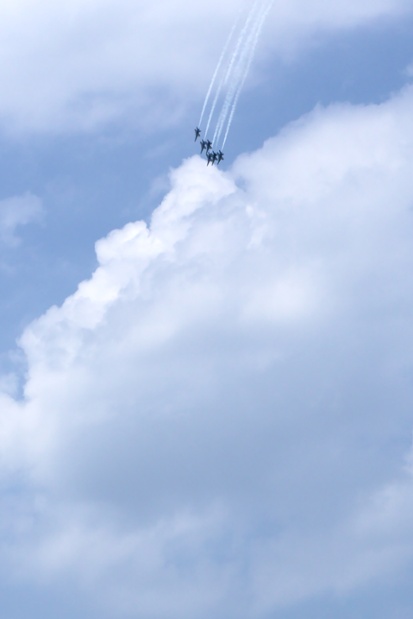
211, 158
197, 133
203, 145
208, 145
220, 156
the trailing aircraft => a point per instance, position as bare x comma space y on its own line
208, 145
220, 156
197, 133
211, 158
203, 145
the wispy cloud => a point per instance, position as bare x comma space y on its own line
16, 212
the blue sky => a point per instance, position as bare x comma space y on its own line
205, 374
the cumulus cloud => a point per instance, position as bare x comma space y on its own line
15, 212
82, 64
219, 419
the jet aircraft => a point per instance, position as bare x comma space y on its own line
211, 158
203, 145
208, 145
197, 133
220, 156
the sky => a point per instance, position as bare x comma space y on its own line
206, 373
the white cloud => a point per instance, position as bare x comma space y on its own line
15, 212
81, 64
214, 421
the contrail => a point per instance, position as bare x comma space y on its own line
254, 40
232, 70
214, 104
216, 73
240, 39
225, 77
217, 69
237, 56
229, 96
243, 61
245, 66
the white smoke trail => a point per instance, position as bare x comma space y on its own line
232, 74
229, 97
251, 51
214, 105
217, 70
236, 79
243, 62
243, 34
225, 76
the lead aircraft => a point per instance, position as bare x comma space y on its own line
197, 133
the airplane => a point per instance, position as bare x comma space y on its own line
203, 145
211, 158
220, 156
197, 133
208, 145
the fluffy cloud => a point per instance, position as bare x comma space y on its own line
219, 419
81, 64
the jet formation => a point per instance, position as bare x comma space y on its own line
206, 145
224, 90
